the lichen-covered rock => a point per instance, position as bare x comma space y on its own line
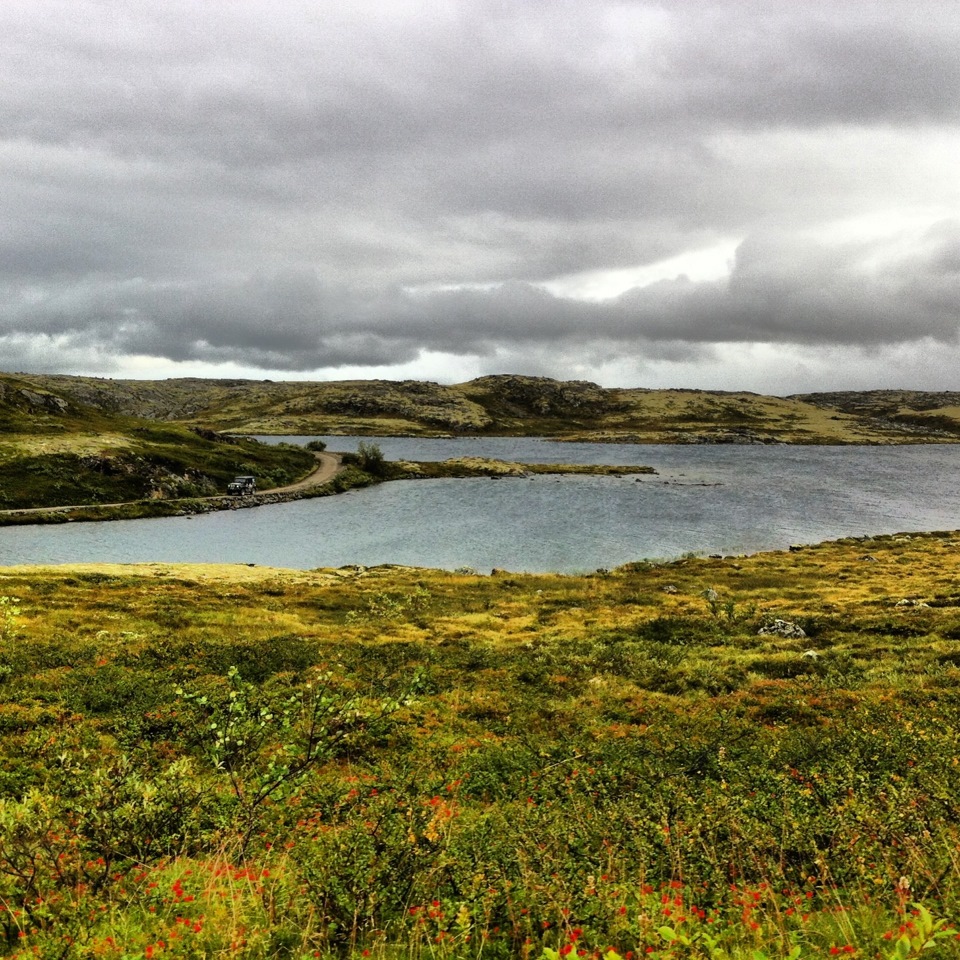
782, 628
44, 401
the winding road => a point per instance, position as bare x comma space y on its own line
328, 466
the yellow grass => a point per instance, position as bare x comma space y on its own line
79, 444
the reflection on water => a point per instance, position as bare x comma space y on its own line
707, 499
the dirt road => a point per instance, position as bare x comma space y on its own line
328, 466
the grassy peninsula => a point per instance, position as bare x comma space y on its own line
499, 469
733, 758
56, 451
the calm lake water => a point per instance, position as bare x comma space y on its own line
706, 499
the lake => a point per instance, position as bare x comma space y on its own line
705, 499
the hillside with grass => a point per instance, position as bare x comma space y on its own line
741, 758
56, 450
514, 405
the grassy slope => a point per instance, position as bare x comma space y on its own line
576, 750
56, 451
914, 411
514, 405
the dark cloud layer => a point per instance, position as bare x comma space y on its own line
307, 186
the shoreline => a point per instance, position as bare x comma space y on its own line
729, 565
347, 478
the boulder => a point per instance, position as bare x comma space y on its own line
782, 628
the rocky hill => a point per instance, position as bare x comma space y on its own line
57, 450
516, 405
924, 414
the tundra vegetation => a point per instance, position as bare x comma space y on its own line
56, 452
404, 763
510, 405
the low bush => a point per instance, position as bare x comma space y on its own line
411, 764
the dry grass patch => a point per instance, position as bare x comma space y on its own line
79, 444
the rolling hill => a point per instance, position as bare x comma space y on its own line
516, 405
56, 450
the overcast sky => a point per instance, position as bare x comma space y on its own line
734, 194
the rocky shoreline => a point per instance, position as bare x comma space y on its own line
348, 479
193, 506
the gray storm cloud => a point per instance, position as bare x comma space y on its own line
309, 186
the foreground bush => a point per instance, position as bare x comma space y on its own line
398, 763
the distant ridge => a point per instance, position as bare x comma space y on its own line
518, 405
